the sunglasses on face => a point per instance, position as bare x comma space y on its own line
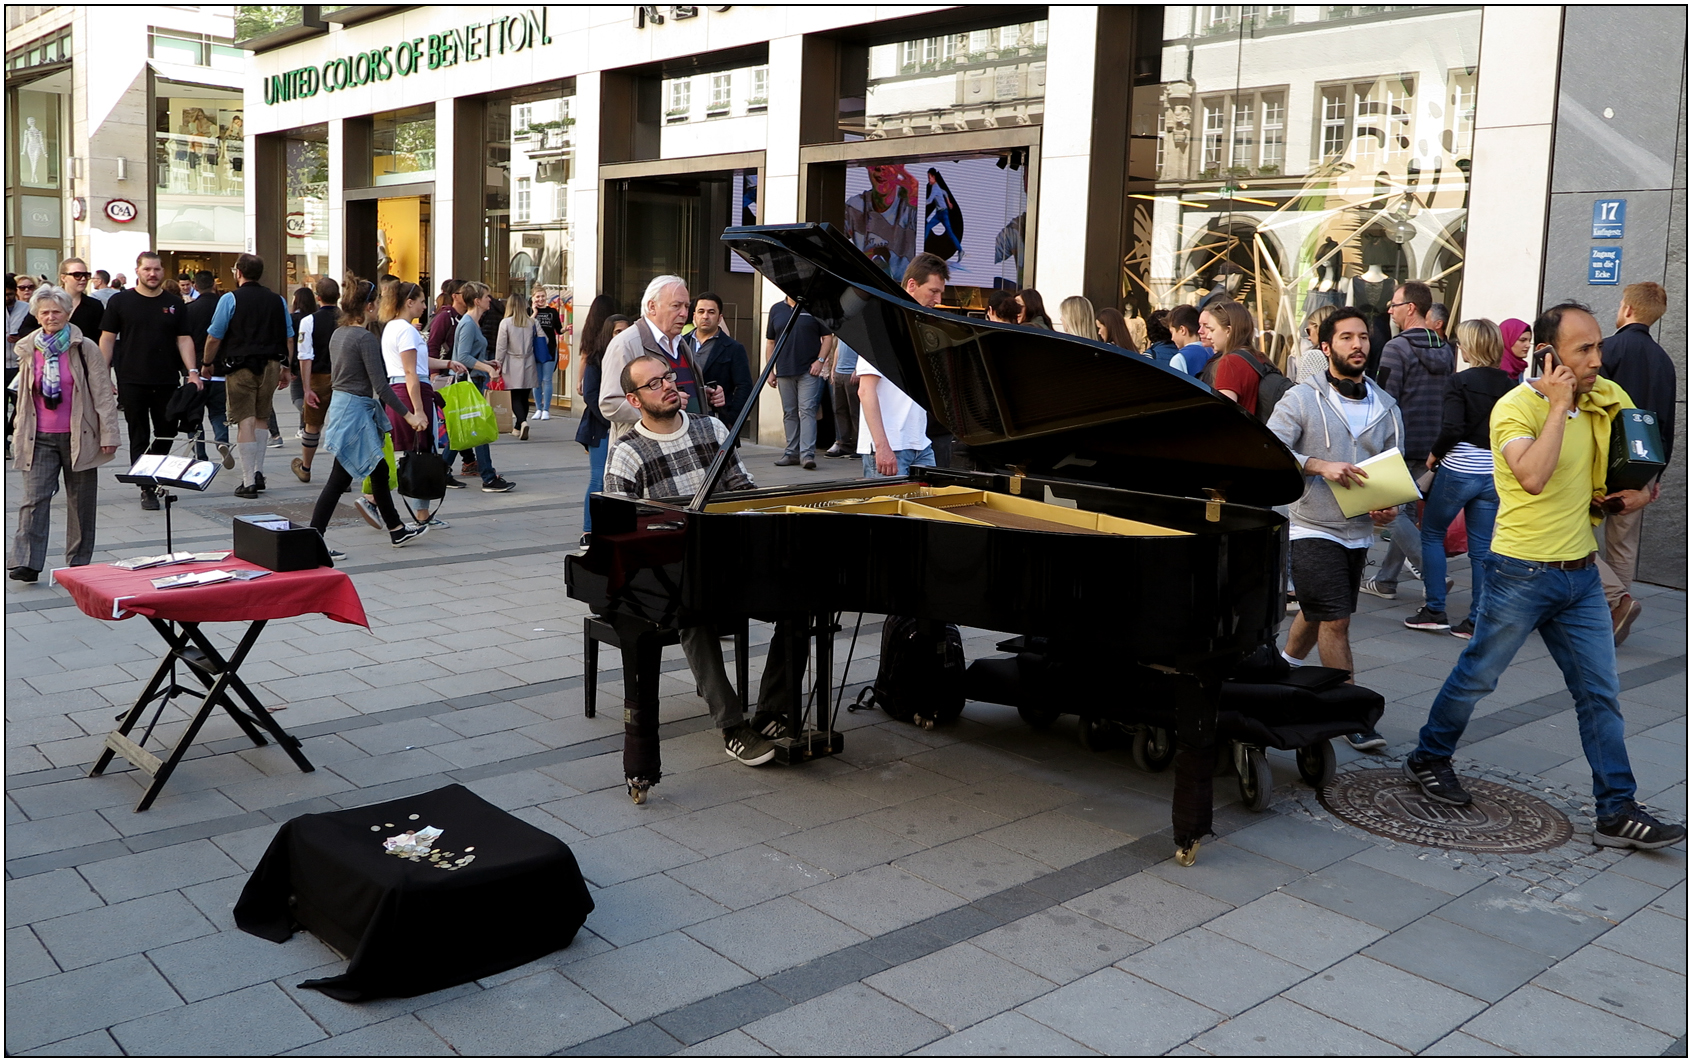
77, 276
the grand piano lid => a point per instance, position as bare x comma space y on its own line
1043, 402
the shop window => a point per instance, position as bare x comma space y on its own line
403, 146
305, 159
49, 50
525, 236
983, 79
199, 146
194, 49
520, 205
35, 136
1368, 123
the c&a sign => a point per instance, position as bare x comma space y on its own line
478, 40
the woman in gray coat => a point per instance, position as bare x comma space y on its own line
515, 352
67, 424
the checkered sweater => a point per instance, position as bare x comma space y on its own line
648, 465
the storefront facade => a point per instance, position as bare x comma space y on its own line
1140, 156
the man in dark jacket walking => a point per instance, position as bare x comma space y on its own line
1415, 367
719, 359
1643, 369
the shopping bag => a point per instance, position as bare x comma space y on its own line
1457, 537
470, 420
501, 402
388, 456
543, 351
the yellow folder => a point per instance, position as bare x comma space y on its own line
1389, 484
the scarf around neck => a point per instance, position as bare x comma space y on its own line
52, 346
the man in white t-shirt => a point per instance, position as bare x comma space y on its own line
892, 429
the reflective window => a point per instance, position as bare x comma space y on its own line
950, 82
723, 94
199, 145
305, 156
34, 132
403, 146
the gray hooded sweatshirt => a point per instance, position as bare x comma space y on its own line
1311, 421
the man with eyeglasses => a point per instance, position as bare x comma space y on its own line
86, 311
1415, 368
666, 455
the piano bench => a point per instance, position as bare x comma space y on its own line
596, 630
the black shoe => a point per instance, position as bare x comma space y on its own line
587, 537
1438, 781
786, 461
150, 500
1426, 619
1366, 741
258, 480
1636, 828
772, 725
1464, 630
809, 464
747, 745
497, 485
455, 484
246, 491
25, 574
406, 534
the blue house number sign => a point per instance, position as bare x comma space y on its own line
1609, 219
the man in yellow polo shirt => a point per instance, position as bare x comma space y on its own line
1550, 448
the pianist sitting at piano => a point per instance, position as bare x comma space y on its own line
667, 455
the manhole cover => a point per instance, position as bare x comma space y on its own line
1501, 819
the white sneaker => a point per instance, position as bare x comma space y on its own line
545, 414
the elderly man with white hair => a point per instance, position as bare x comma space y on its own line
665, 310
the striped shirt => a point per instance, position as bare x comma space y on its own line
1468, 459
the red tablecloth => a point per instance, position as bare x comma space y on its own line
105, 592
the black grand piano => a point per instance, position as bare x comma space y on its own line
1125, 514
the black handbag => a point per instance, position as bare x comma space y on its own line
423, 474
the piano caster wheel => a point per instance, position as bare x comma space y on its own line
1187, 856
637, 793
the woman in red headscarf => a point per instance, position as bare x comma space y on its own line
1518, 340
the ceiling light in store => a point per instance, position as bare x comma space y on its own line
1171, 199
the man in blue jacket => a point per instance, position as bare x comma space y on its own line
719, 359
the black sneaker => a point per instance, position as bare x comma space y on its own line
246, 491
1438, 781
498, 485
747, 745
1464, 630
1636, 828
149, 500
1426, 619
406, 534
455, 484
1366, 741
772, 725
258, 480
25, 574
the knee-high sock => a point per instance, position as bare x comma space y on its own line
261, 439
248, 453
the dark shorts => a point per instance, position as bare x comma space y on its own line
1325, 575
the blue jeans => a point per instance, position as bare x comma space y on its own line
543, 389
1406, 544
1567, 608
1474, 497
215, 409
799, 396
596, 478
907, 458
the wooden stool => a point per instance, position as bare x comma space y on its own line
596, 630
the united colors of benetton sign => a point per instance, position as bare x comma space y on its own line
478, 40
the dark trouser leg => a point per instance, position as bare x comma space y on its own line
40, 484
640, 702
384, 497
520, 404
82, 498
333, 487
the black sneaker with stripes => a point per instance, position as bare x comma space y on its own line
1436, 779
1636, 828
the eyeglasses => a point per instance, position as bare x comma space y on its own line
78, 276
657, 383
24, 289
1396, 305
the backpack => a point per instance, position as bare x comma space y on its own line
921, 675
1272, 383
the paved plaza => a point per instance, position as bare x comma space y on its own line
982, 888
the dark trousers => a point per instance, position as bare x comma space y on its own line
845, 412
40, 483
520, 404
340, 481
144, 411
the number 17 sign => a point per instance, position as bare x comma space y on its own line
1609, 219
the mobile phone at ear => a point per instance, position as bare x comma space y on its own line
1541, 361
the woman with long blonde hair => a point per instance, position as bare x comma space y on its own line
515, 352
1075, 316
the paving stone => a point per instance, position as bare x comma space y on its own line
844, 847
879, 899
1665, 867
1368, 895
1424, 866
1057, 839
1462, 1045
1229, 873
1298, 932
1672, 902
120, 788
1398, 1007
897, 782
1005, 1035
1500, 909
931, 985
42, 896
1013, 798
98, 1044
1533, 1021
1652, 937
933, 820
212, 965
26, 959
972, 867
37, 1014
1621, 985
647, 907
89, 937
749, 875
625, 979
775, 935
610, 810
716, 784
257, 1020
1459, 958
1187, 964
57, 834
536, 1015
712, 1017
1059, 944
1118, 1014
1148, 907
1282, 1027
405, 734
1294, 839
808, 804
723, 828
732, 1044
488, 748
853, 1020
403, 1037
159, 870
611, 858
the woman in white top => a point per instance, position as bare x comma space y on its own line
515, 352
405, 356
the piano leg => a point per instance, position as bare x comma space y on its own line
791, 641
642, 648
1195, 764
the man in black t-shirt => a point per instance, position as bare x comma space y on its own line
145, 341
801, 366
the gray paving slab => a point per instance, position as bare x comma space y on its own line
972, 867
97, 1044
1534, 1021
1187, 965
1652, 937
103, 933
732, 1044
749, 875
1059, 944
404, 1036
1148, 907
775, 935
647, 907
538, 1014
1117, 1013
1500, 909
1611, 896
159, 870
1282, 1027
611, 858
723, 828
1056, 838
42, 896
57, 833
852, 1020
1296, 839
257, 1020
1299, 932
1424, 866
717, 784
338, 1017
1005, 1035
609, 810
1400, 1008
212, 965
26, 959
1621, 985
1229, 873
879, 899
845, 846
1368, 895
655, 975
929, 985
1462, 1045
1672, 902
1459, 958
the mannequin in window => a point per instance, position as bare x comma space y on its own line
1324, 292
1228, 281
1371, 292
34, 149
